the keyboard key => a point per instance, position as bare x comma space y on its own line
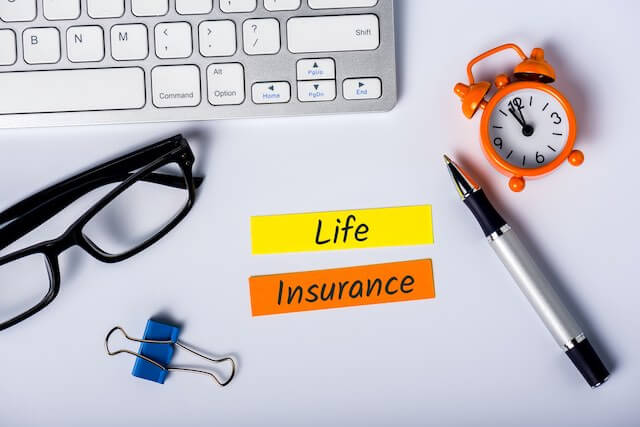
173, 40
85, 44
276, 5
55, 10
271, 92
41, 45
175, 86
339, 4
105, 8
316, 91
129, 42
347, 32
369, 88
316, 69
72, 90
8, 54
233, 6
226, 84
217, 38
194, 7
17, 10
261, 36
150, 7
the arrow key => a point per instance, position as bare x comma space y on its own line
317, 91
365, 88
316, 69
271, 92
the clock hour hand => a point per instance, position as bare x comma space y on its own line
527, 129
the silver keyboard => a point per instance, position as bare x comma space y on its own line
75, 62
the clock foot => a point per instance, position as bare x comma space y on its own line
576, 158
516, 184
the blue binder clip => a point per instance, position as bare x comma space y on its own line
157, 347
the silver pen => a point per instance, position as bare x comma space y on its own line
532, 282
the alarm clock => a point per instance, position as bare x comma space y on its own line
528, 127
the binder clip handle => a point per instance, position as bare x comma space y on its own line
159, 353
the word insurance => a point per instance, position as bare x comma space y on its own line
342, 287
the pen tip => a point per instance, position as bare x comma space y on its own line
464, 184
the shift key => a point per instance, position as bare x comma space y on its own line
347, 33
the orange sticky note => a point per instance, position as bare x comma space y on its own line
342, 287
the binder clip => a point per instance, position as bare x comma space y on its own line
157, 347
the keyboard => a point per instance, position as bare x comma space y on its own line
76, 62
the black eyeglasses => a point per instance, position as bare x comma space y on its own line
153, 190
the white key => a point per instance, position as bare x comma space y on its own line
85, 44
340, 4
55, 10
316, 91
217, 38
150, 7
276, 5
271, 92
194, 7
226, 84
17, 10
72, 90
261, 36
369, 88
8, 54
333, 33
233, 6
173, 40
129, 42
41, 45
105, 8
316, 69
175, 86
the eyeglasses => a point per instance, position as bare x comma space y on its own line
153, 190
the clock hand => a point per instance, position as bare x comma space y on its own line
527, 129
520, 120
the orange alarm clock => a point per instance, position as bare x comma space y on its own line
528, 127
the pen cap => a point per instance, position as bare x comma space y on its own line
588, 363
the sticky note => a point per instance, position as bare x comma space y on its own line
342, 287
350, 229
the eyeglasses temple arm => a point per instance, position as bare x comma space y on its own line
119, 166
28, 221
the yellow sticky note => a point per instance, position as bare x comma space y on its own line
351, 229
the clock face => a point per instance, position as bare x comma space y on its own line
528, 128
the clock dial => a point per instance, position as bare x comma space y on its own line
528, 128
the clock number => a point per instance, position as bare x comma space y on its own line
498, 142
557, 118
539, 157
516, 103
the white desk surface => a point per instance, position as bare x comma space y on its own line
475, 355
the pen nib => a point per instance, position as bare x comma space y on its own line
465, 185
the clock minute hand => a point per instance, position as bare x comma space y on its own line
527, 129
515, 116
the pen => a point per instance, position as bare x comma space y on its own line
530, 279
